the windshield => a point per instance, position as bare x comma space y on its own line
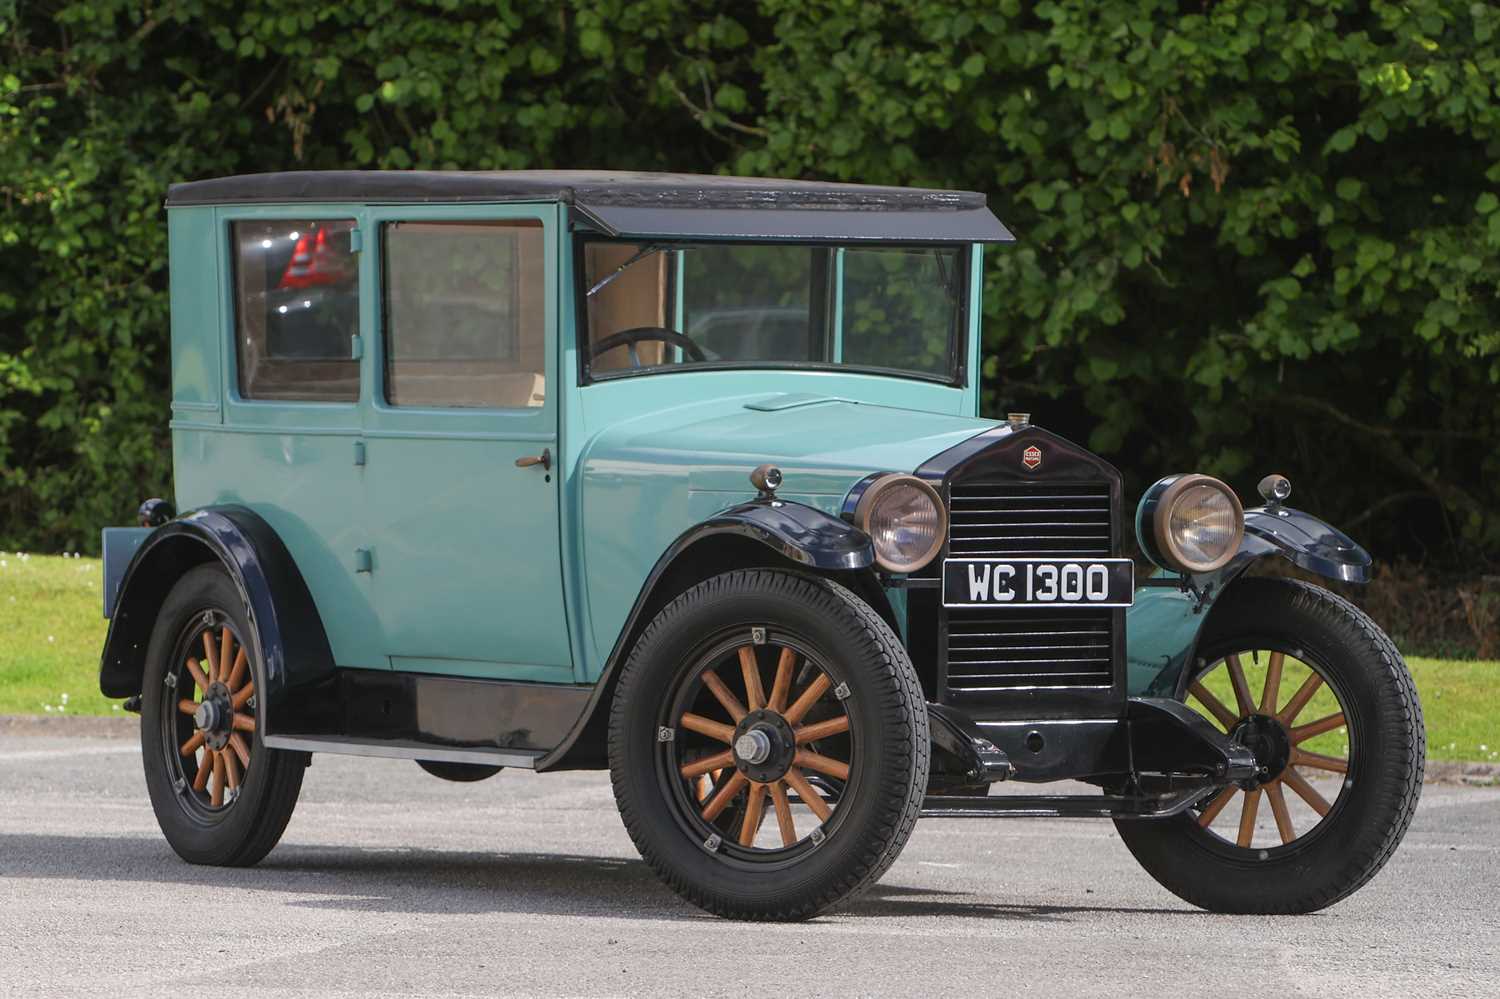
656, 307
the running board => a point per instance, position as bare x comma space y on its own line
1063, 806
405, 750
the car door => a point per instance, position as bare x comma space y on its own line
463, 517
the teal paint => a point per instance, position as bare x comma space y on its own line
478, 568
463, 547
679, 303
195, 304
837, 323
1161, 633
468, 568
305, 487
897, 598
649, 472
976, 332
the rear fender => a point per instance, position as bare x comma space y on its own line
1163, 626
286, 632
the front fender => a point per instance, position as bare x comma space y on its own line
1307, 541
285, 626
1163, 625
801, 535
798, 532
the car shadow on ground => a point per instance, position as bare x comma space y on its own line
419, 881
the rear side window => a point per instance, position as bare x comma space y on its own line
296, 308
465, 320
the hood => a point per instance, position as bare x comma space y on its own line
823, 444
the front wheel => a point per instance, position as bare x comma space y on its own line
1321, 696
768, 745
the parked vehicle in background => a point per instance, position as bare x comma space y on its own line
684, 477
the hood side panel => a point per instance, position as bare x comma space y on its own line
640, 481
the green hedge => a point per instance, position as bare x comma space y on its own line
1253, 236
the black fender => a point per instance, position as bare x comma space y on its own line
760, 532
285, 626
1297, 536
1310, 543
795, 531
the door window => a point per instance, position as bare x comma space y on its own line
465, 322
296, 285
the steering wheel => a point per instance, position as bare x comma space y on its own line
634, 335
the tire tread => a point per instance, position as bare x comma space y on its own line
901, 708
1162, 846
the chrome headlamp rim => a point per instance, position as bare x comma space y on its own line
1156, 508
871, 495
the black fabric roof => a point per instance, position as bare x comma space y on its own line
674, 190
643, 204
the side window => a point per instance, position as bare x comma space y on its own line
465, 321
296, 289
902, 308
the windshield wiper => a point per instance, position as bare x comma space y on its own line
640, 254
947, 282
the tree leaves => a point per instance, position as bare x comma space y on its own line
1222, 208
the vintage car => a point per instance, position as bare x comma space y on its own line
684, 477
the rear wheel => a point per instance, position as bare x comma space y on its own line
768, 745
220, 796
1321, 696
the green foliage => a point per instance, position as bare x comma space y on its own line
1253, 236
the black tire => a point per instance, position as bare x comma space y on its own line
887, 721
241, 830
459, 773
1387, 754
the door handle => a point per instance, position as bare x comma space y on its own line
544, 459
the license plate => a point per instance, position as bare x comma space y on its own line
1038, 582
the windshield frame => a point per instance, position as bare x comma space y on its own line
957, 377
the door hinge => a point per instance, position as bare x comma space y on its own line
362, 562
359, 452
356, 347
356, 240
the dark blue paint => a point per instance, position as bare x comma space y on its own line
284, 624
1307, 542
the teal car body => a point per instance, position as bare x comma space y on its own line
515, 541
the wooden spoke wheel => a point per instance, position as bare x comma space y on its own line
768, 744
213, 696
220, 796
1324, 701
1287, 713
773, 739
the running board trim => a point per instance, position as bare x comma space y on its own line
1065, 806
519, 759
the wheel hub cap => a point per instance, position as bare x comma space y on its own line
764, 746
207, 716
1269, 740
215, 716
754, 747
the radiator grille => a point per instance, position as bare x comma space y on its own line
1003, 519
993, 649
990, 649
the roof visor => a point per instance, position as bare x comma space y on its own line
843, 225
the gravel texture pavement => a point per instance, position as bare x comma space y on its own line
392, 883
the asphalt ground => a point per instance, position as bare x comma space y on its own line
392, 883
